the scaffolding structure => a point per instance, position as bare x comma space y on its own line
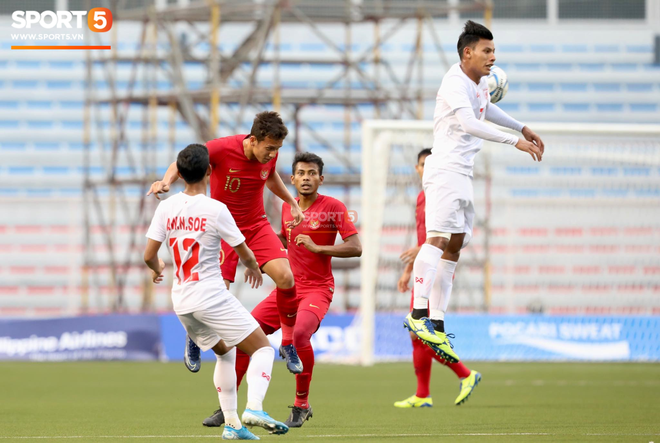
231, 88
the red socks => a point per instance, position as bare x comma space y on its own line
422, 361
242, 363
459, 368
306, 324
287, 307
423, 357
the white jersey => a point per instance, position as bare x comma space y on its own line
191, 227
453, 148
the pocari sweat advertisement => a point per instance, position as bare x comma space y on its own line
111, 337
534, 338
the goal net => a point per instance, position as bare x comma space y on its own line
578, 233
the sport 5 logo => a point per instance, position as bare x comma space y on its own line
266, 376
98, 19
419, 280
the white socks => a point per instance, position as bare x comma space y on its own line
224, 378
258, 377
441, 293
424, 270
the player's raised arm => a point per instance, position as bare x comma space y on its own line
495, 115
276, 186
163, 186
477, 128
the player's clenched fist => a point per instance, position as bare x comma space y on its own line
158, 187
307, 242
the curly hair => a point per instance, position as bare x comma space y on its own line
268, 124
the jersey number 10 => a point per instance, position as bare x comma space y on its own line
233, 183
189, 264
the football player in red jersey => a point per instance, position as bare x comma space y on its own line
241, 166
311, 246
423, 355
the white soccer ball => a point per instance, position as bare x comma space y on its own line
498, 84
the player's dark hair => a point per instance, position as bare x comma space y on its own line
472, 33
268, 124
307, 157
424, 152
193, 162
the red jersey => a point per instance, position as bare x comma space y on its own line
420, 218
238, 182
323, 220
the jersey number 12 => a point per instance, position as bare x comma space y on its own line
189, 264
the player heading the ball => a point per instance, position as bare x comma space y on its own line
462, 105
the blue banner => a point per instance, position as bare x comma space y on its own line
478, 337
111, 337
533, 338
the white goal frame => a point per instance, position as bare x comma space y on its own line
377, 137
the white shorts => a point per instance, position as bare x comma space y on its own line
449, 202
227, 320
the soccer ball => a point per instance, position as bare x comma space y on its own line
498, 84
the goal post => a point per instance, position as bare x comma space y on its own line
597, 187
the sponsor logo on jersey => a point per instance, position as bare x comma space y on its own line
419, 280
264, 174
314, 224
332, 290
266, 376
292, 315
233, 170
313, 306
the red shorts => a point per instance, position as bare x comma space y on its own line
314, 299
263, 241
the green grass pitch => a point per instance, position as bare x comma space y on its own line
516, 402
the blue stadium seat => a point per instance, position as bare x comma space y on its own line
575, 48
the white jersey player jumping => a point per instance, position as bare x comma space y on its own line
192, 225
462, 105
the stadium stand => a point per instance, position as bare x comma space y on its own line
599, 78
